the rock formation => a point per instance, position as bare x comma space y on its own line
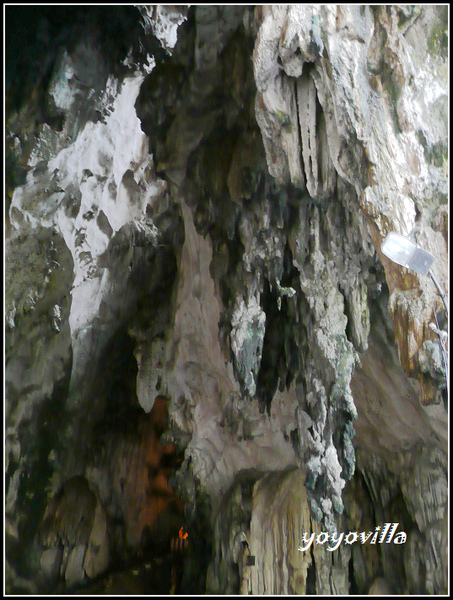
201, 330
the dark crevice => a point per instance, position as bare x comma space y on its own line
311, 588
353, 588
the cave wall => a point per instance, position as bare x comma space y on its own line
200, 326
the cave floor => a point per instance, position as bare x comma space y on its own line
154, 575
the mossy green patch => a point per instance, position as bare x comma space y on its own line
436, 154
437, 42
284, 120
407, 13
388, 78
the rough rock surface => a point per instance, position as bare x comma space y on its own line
201, 329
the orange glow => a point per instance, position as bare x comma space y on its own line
183, 536
141, 466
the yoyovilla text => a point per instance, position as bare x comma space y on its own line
381, 535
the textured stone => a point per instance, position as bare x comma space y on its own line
74, 572
70, 514
267, 515
380, 587
50, 562
130, 470
247, 335
196, 220
96, 558
364, 141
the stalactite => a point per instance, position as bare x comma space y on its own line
306, 107
197, 198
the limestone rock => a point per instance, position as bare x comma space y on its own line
371, 120
380, 587
96, 558
75, 528
196, 202
248, 327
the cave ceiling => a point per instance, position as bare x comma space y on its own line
201, 330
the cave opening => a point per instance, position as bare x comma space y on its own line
147, 516
136, 517
280, 360
353, 588
311, 576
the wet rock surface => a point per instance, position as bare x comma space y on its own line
201, 329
